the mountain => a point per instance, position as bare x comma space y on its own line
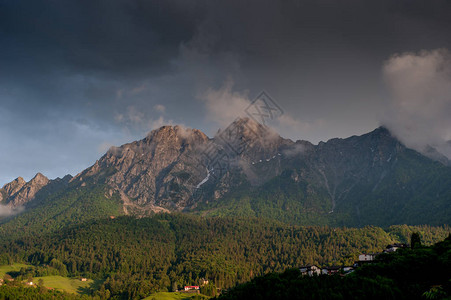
18, 192
131, 258
162, 171
434, 154
235, 201
371, 179
247, 170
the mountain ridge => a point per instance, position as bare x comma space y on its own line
250, 167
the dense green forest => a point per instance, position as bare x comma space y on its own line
54, 211
414, 191
135, 257
39, 293
419, 273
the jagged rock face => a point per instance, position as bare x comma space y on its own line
138, 170
18, 192
253, 149
29, 190
176, 169
227, 161
163, 170
14, 186
356, 179
358, 157
342, 164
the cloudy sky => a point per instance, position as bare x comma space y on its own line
79, 76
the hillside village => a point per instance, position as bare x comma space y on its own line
364, 258
313, 270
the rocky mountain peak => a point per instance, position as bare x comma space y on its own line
165, 170
381, 130
14, 186
20, 180
39, 179
177, 133
253, 135
19, 192
180, 169
245, 122
138, 170
248, 128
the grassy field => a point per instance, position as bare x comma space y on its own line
10, 268
75, 285
173, 296
70, 285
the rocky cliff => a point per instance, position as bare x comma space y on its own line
248, 169
19, 192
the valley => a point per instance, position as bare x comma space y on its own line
179, 208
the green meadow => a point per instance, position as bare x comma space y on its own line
11, 268
69, 285
174, 296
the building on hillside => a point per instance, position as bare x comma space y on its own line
367, 257
348, 269
310, 270
331, 270
394, 247
84, 279
191, 287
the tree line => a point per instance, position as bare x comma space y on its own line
412, 273
135, 257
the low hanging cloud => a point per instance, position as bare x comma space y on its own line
224, 105
6, 211
420, 104
135, 118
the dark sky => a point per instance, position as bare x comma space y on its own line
79, 76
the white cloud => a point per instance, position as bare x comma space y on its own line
134, 118
6, 211
157, 123
223, 105
420, 104
293, 128
160, 108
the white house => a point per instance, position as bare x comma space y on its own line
394, 247
310, 270
367, 257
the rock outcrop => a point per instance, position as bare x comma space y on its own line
181, 169
18, 192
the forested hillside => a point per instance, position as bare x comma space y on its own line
419, 273
55, 211
267, 212
135, 257
372, 179
392, 188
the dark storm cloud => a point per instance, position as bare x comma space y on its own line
321, 60
77, 76
119, 37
